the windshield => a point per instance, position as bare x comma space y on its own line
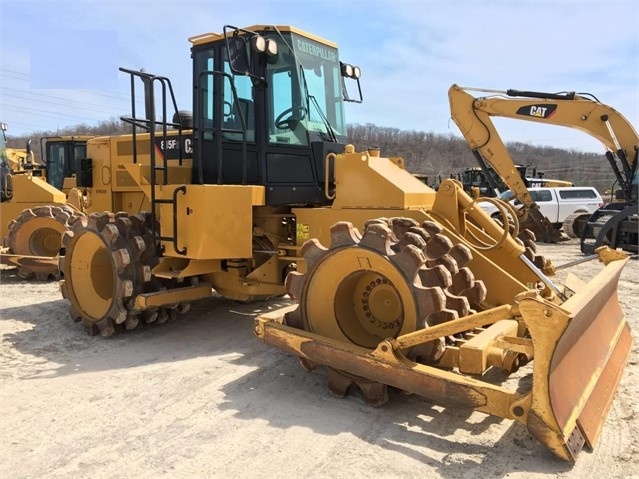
306, 93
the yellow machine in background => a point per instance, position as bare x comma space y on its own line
615, 224
60, 155
43, 213
396, 284
15, 158
483, 181
34, 211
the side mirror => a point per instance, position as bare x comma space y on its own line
29, 159
238, 55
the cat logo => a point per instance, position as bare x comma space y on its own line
538, 111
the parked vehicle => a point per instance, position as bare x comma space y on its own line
561, 205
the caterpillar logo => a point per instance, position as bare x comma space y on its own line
538, 111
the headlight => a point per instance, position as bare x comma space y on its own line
347, 70
258, 43
350, 71
271, 47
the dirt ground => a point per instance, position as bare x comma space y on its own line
202, 397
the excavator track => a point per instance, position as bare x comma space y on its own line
34, 239
399, 277
575, 223
108, 262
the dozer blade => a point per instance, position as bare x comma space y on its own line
543, 229
580, 349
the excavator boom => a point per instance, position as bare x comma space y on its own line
473, 117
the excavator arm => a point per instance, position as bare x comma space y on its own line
473, 117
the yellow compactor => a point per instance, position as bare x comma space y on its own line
396, 284
35, 209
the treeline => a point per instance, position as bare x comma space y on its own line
427, 153
440, 156
112, 126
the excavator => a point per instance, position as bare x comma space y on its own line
615, 224
35, 211
396, 285
483, 181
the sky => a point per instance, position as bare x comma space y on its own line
59, 59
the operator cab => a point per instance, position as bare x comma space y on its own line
268, 107
60, 155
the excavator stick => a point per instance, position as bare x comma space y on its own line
579, 350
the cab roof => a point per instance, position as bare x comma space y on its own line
214, 37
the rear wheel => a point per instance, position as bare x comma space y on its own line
108, 262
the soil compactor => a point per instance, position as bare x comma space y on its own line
33, 212
426, 298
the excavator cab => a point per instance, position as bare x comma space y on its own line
268, 109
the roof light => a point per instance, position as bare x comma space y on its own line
258, 43
271, 47
347, 70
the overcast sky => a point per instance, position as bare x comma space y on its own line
59, 59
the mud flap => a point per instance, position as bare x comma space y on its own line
581, 349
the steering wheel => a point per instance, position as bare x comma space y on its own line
284, 123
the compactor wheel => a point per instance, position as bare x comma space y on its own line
38, 232
396, 278
108, 261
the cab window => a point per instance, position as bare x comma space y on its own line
540, 196
577, 193
287, 115
238, 115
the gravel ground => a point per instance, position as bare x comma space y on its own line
202, 397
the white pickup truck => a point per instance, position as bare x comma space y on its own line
566, 207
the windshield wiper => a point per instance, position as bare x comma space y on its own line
329, 129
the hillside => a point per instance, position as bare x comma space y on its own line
426, 153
